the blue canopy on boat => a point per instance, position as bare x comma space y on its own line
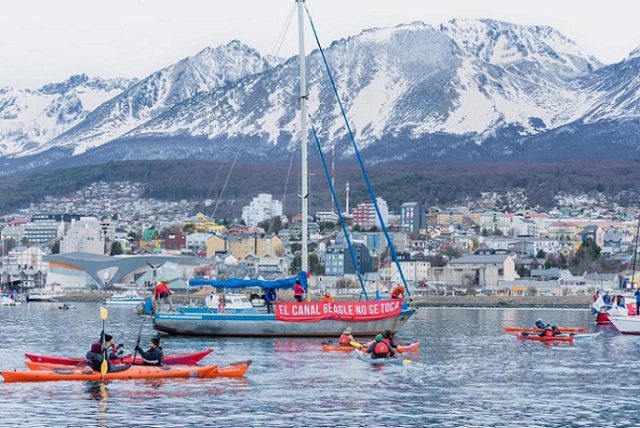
246, 283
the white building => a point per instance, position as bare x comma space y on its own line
261, 208
84, 236
197, 242
43, 230
327, 217
24, 266
414, 271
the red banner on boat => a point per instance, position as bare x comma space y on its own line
341, 311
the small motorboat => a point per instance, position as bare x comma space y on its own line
128, 298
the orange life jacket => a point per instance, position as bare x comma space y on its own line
381, 349
345, 339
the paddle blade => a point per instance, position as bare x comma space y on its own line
405, 362
104, 367
103, 313
355, 344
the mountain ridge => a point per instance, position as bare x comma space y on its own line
438, 93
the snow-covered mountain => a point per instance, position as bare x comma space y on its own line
32, 117
153, 95
466, 89
468, 78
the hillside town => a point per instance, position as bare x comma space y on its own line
89, 239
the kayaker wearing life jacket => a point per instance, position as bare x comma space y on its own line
380, 349
153, 355
548, 331
346, 338
111, 348
389, 339
94, 356
298, 291
398, 292
328, 298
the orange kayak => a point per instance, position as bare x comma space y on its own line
133, 372
540, 330
234, 370
539, 338
414, 347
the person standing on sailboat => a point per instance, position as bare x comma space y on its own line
298, 291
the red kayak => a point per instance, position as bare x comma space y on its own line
536, 337
540, 330
169, 360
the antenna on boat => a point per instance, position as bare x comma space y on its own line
304, 257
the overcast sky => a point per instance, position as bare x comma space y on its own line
44, 40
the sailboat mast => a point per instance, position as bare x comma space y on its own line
304, 257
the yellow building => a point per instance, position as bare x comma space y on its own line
202, 223
241, 246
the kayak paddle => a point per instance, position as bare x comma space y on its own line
104, 367
135, 354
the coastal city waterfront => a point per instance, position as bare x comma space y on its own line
468, 372
582, 245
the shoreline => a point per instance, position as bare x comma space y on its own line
559, 302
511, 302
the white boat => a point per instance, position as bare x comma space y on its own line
627, 324
8, 301
48, 293
129, 297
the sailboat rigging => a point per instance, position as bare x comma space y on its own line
298, 318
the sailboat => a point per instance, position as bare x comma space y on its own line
629, 322
297, 319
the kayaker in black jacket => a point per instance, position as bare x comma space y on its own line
94, 356
389, 339
153, 355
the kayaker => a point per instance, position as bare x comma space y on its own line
112, 349
162, 292
328, 298
346, 337
398, 292
380, 349
94, 356
298, 291
548, 332
556, 331
540, 324
270, 297
389, 339
153, 355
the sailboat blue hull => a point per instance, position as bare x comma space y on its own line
265, 325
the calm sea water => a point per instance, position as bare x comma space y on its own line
468, 374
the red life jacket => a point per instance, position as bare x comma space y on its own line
345, 340
381, 349
548, 333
